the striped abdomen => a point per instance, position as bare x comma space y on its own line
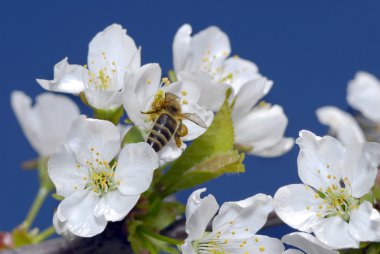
162, 131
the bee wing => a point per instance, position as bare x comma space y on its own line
195, 119
169, 97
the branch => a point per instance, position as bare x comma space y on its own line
112, 240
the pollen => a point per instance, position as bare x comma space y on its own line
184, 93
148, 81
261, 249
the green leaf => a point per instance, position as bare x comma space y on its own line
133, 136
216, 141
112, 115
164, 214
134, 238
374, 248
210, 168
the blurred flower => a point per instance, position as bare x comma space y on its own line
328, 203
233, 229
145, 89
306, 242
363, 94
47, 122
112, 56
6, 241
205, 55
95, 188
342, 125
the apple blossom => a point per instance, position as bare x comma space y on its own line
328, 202
112, 56
146, 87
306, 242
99, 182
259, 127
233, 229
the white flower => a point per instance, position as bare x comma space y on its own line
233, 229
144, 89
342, 125
112, 55
46, 123
258, 130
306, 242
363, 94
328, 204
96, 189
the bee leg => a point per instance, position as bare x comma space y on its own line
150, 112
182, 130
178, 140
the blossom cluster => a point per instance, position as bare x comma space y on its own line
188, 128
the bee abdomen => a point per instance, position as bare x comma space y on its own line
162, 131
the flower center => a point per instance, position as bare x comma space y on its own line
104, 78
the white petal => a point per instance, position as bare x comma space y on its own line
68, 78
334, 232
114, 206
341, 124
64, 172
256, 244
135, 168
194, 130
90, 136
249, 94
364, 223
146, 82
363, 94
188, 88
46, 123
360, 167
241, 71
293, 251
103, 99
170, 152
199, 212
297, 205
123, 129
248, 215
181, 44
319, 160
78, 211
60, 226
262, 128
210, 43
307, 243
113, 48
282, 147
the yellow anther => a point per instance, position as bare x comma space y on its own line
261, 248
184, 93
148, 81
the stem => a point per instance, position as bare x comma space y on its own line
36, 206
44, 235
163, 238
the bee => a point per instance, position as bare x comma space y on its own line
167, 115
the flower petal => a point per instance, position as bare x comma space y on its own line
248, 215
364, 223
103, 99
248, 96
90, 136
114, 206
360, 167
334, 232
261, 244
170, 152
78, 212
68, 78
262, 128
114, 49
282, 147
188, 89
319, 160
199, 212
341, 124
47, 123
135, 168
297, 205
64, 172
181, 45
363, 94
307, 243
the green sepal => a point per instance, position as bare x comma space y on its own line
172, 76
112, 115
22, 237
376, 192
57, 197
133, 135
